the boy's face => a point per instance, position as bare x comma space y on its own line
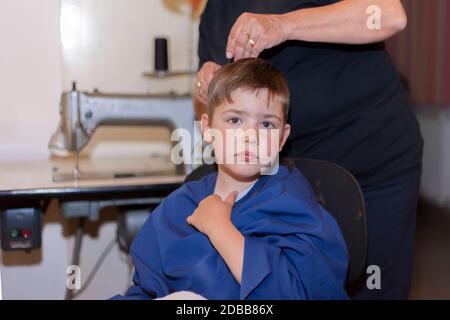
248, 134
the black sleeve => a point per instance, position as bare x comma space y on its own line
204, 54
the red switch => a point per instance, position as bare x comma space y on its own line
26, 233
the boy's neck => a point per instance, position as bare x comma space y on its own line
226, 183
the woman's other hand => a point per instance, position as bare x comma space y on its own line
204, 77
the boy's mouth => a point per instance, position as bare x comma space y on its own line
247, 156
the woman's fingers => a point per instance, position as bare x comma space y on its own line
199, 88
239, 46
204, 77
249, 45
252, 45
238, 43
235, 33
207, 81
205, 85
253, 33
208, 76
243, 37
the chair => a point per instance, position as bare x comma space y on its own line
340, 194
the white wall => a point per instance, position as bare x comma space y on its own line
435, 127
30, 87
114, 44
116, 49
30, 77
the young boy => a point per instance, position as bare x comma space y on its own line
240, 233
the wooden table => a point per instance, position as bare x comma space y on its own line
28, 183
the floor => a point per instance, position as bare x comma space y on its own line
431, 276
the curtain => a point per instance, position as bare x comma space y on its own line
422, 51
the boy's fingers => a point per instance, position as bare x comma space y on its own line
231, 199
203, 100
188, 220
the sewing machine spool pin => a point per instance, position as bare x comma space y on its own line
76, 171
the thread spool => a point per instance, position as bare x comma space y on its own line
161, 56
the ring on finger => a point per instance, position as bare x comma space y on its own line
250, 40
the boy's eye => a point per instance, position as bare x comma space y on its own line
268, 125
234, 120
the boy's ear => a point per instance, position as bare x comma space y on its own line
286, 131
205, 127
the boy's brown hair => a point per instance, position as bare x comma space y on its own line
251, 73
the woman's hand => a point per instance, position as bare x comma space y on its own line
253, 33
204, 77
212, 213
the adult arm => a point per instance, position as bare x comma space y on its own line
345, 22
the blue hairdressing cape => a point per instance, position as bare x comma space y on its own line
293, 247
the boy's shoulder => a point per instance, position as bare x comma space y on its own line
194, 190
290, 180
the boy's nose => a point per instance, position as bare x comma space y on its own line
251, 136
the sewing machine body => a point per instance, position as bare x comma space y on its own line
82, 113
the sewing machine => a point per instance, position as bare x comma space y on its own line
82, 113
27, 189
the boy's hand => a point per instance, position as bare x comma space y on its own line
212, 213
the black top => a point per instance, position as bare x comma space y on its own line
347, 106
